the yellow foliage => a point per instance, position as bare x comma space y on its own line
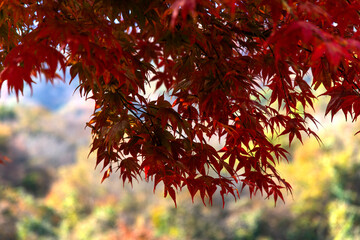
5, 131
312, 169
341, 223
306, 173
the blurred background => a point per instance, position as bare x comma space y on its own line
50, 189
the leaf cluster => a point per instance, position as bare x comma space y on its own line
217, 60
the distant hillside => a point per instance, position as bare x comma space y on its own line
50, 96
53, 97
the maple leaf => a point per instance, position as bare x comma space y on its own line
186, 6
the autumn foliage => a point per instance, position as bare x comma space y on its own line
233, 70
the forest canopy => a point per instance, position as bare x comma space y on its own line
234, 70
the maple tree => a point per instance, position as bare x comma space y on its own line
233, 69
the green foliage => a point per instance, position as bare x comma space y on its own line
33, 229
103, 217
37, 181
345, 186
7, 113
344, 212
344, 220
24, 218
